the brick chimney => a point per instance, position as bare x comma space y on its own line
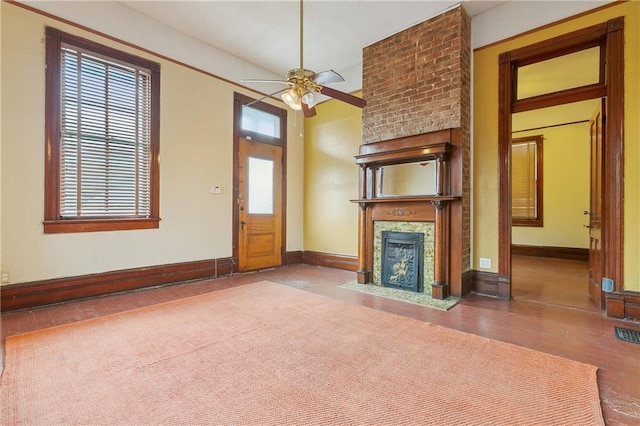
418, 81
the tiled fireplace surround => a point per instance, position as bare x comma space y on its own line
417, 88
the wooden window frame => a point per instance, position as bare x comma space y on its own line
52, 174
538, 220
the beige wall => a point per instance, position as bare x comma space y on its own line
1, 329
195, 153
332, 139
485, 136
566, 189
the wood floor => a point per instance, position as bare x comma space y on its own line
550, 312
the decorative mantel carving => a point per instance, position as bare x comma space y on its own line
401, 212
436, 207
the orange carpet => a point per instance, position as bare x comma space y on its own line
267, 354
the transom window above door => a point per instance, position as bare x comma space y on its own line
262, 122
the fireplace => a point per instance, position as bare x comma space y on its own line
384, 204
418, 125
425, 229
402, 258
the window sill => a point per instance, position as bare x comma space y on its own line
535, 223
98, 225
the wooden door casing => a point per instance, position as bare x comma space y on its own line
259, 234
595, 207
610, 36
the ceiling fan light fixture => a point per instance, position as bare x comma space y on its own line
291, 98
305, 86
309, 99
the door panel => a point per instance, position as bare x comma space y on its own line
259, 205
595, 213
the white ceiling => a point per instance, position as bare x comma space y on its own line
266, 33
242, 39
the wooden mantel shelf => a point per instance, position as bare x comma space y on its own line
434, 198
403, 154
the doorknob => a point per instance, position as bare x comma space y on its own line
242, 223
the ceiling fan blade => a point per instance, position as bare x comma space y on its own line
264, 97
326, 77
344, 97
308, 111
251, 80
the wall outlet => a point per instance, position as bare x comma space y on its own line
485, 263
6, 277
216, 189
607, 284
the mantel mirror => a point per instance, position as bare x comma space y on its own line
407, 179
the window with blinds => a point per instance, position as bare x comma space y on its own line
105, 148
526, 181
102, 123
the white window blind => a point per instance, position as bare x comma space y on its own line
105, 144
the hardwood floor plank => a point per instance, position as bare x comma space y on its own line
549, 313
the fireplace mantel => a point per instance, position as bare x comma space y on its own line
427, 198
444, 207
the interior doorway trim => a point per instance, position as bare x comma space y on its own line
239, 100
610, 36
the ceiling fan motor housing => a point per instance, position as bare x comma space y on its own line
301, 80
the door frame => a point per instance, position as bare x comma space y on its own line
610, 36
239, 100
596, 145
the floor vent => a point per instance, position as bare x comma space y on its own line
628, 335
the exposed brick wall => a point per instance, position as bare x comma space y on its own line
413, 80
418, 81
465, 125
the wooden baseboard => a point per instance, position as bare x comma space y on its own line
491, 284
349, 263
623, 305
467, 282
293, 257
545, 251
46, 292
485, 283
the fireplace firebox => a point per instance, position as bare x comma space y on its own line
402, 260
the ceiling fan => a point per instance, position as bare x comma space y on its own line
303, 84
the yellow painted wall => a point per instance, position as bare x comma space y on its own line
565, 191
332, 139
485, 136
196, 145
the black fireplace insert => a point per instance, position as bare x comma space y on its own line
402, 259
